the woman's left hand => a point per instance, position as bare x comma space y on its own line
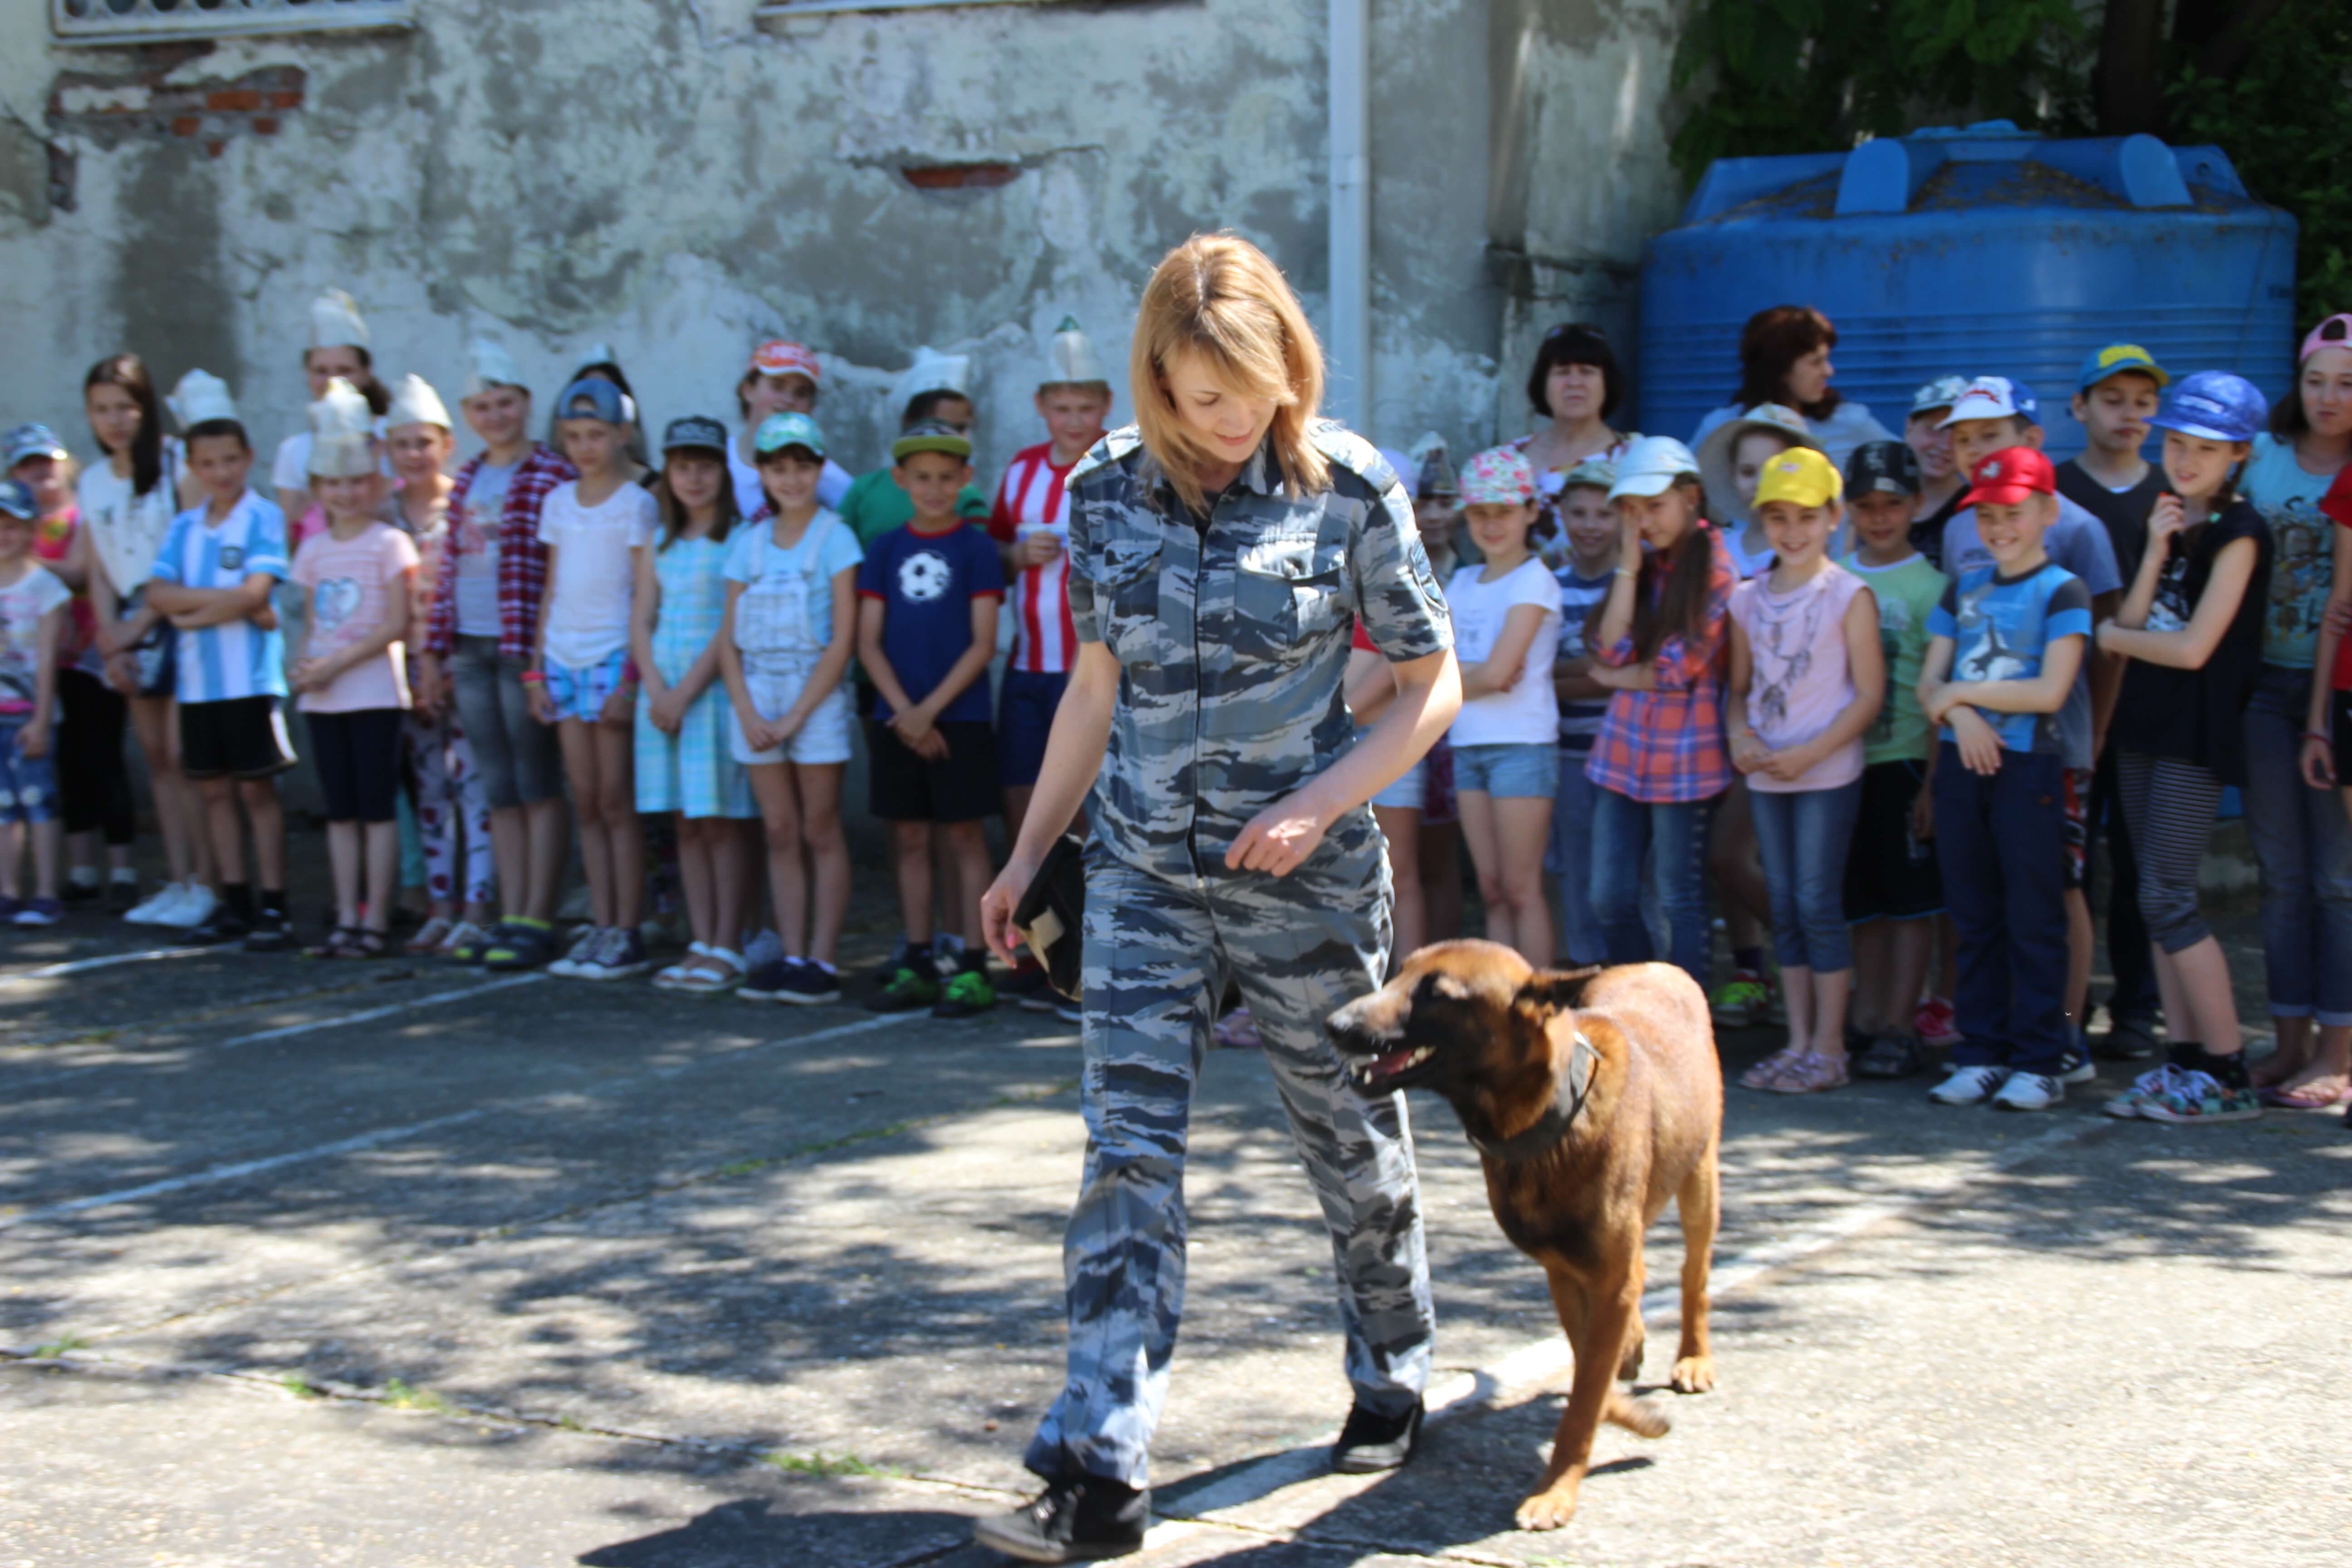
1279, 838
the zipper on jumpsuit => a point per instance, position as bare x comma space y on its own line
1193, 826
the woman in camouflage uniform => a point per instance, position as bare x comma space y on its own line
1221, 551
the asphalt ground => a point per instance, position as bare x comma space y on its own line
307, 1262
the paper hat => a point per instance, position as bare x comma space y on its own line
1497, 477
1800, 476
1070, 357
414, 401
342, 432
777, 357
489, 364
931, 372
599, 353
201, 396
335, 319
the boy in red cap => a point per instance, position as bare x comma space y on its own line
2005, 646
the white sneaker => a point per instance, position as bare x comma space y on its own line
150, 909
197, 904
583, 945
2029, 1091
2076, 1067
1969, 1086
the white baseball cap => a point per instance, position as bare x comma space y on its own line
1652, 464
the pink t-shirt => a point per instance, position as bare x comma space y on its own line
349, 580
1800, 679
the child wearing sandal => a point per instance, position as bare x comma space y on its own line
1807, 679
783, 649
352, 681
2191, 627
684, 765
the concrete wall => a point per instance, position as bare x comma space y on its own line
682, 177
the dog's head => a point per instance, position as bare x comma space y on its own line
1471, 1020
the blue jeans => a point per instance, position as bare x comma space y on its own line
1624, 831
1581, 937
2002, 843
1508, 772
2303, 842
1804, 835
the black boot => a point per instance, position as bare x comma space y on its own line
1078, 1519
1372, 1442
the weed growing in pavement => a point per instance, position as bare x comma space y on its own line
401, 1395
823, 1464
58, 1346
300, 1387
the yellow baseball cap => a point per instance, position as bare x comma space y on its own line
1802, 475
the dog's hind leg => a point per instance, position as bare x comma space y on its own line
1596, 1326
1700, 1205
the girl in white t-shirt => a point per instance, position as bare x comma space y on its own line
581, 680
1506, 738
128, 501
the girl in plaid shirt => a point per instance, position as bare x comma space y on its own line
1658, 644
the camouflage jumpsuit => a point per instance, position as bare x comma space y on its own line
1231, 641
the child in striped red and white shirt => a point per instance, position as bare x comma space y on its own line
1030, 522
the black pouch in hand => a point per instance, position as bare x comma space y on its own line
1052, 914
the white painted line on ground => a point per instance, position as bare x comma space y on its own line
242, 1168
1548, 1358
231, 1172
287, 1031
84, 966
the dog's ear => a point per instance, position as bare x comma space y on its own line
1550, 991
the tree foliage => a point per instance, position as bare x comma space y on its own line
2266, 81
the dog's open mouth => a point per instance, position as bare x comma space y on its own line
1374, 1071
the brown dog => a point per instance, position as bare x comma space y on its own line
1592, 1096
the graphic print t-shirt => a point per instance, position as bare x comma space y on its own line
926, 583
2302, 539
2000, 630
474, 534
22, 604
349, 580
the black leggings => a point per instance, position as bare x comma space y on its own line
90, 772
2169, 803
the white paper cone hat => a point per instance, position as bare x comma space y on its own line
335, 319
414, 401
200, 395
488, 364
341, 432
1070, 357
932, 372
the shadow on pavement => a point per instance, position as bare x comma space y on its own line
746, 1534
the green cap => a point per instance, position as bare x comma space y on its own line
931, 436
778, 431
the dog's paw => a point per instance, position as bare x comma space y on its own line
1694, 1374
1638, 1416
1630, 1368
1547, 1511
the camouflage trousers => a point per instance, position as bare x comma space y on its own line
1157, 958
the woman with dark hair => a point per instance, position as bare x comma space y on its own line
1220, 549
1576, 384
128, 501
1784, 358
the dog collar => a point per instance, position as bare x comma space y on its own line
1567, 1100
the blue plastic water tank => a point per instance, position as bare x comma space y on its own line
1982, 251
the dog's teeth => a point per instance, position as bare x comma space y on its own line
1423, 1054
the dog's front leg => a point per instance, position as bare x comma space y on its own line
1596, 1325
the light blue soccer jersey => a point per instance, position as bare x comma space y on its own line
219, 664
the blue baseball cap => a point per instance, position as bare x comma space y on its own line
17, 501
778, 431
2115, 359
33, 441
2215, 405
593, 397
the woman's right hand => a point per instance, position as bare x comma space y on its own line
997, 904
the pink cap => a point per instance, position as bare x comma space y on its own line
2336, 332
777, 357
1500, 476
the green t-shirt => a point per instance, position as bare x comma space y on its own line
1906, 592
875, 505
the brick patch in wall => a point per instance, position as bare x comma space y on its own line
111, 110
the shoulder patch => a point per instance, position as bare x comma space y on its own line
1344, 450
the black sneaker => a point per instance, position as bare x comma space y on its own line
1026, 985
1371, 1441
81, 892
766, 984
122, 897
220, 930
1083, 1520
806, 984
268, 933
2128, 1040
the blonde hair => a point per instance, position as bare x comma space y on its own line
1218, 295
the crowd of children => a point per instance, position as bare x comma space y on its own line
1872, 695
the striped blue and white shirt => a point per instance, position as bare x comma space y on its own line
219, 664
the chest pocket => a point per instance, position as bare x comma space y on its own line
1287, 590
1126, 599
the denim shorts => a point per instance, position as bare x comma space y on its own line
1508, 772
1410, 790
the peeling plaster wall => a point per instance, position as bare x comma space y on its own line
680, 179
